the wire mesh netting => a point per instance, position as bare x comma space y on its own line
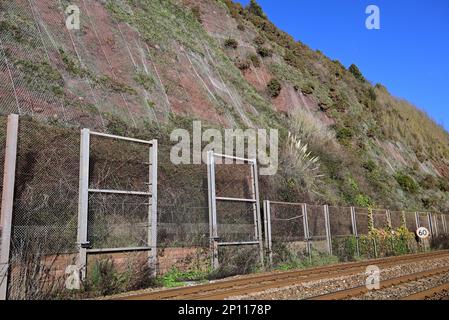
397, 219
234, 181
235, 260
236, 220
118, 220
317, 228
340, 221
287, 233
343, 241
423, 219
362, 221
45, 207
183, 216
380, 219
410, 221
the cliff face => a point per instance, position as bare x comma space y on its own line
144, 63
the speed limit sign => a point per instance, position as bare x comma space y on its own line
423, 233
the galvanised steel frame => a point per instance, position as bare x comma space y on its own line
83, 205
254, 200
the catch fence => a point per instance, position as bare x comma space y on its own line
66, 211
297, 232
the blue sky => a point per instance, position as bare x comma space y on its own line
409, 54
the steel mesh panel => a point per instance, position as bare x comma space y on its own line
317, 228
183, 217
235, 260
424, 220
410, 221
233, 181
235, 221
396, 219
340, 221
118, 164
316, 222
380, 219
287, 224
362, 220
436, 223
46, 189
116, 221
44, 224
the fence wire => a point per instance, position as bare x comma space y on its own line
44, 229
236, 220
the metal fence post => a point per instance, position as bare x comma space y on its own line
432, 226
267, 217
306, 230
417, 220
8, 200
328, 228
443, 220
255, 175
388, 215
152, 236
83, 202
213, 232
354, 231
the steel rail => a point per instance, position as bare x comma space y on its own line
361, 290
429, 293
291, 276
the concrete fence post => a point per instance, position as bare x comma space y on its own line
9, 175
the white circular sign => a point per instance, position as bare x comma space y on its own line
423, 233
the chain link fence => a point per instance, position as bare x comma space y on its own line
297, 233
44, 226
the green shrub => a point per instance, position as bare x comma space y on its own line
372, 94
231, 43
259, 40
264, 52
406, 182
344, 135
197, 13
255, 9
369, 165
177, 278
254, 60
356, 73
243, 64
274, 88
443, 185
308, 88
145, 80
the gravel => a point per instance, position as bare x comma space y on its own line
319, 287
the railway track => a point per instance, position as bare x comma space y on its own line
258, 283
429, 293
361, 290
